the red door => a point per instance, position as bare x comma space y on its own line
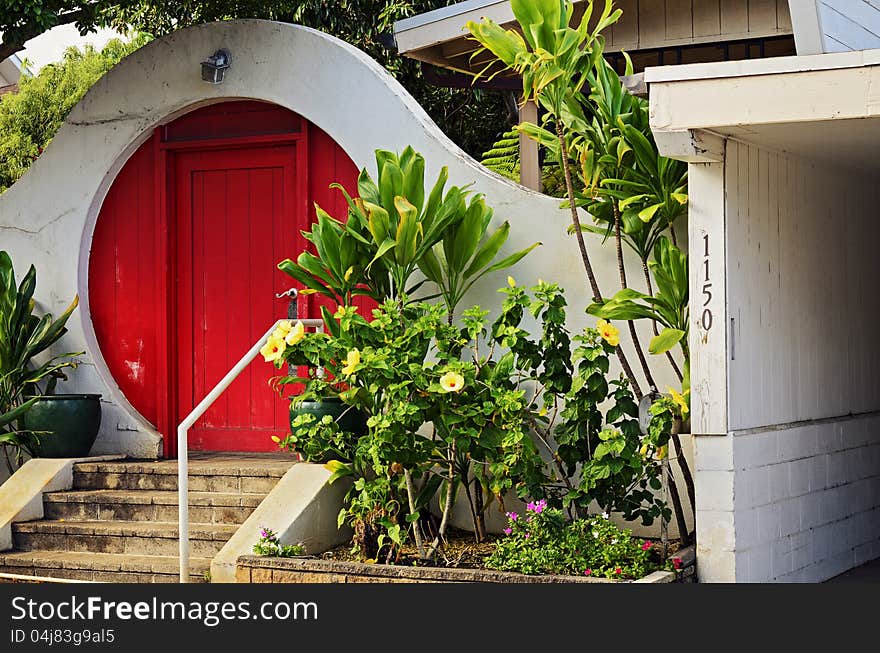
236, 218
182, 270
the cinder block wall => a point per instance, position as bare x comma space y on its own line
800, 485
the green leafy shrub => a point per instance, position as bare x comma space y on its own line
30, 118
544, 541
485, 408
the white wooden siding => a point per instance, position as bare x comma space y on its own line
803, 370
801, 289
647, 24
849, 24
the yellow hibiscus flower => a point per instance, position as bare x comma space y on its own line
296, 334
609, 332
511, 281
452, 382
680, 401
352, 359
273, 349
283, 328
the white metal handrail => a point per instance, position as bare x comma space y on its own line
183, 445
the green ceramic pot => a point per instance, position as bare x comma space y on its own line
71, 422
353, 421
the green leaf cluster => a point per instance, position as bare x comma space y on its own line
543, 541
24, 336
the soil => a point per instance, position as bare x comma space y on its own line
460, 551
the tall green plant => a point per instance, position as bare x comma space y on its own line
23, 336
554, 61
634, 194
466, 253
392, 222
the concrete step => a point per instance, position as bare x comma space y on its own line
249, 473
132, 538
101, 567
148, 505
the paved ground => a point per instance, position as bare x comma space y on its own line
868, 573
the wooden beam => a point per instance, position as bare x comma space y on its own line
691, 145
529, 166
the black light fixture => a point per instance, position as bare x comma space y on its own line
214, 67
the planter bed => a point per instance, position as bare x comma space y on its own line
263, 569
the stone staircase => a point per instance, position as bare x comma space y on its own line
119, 522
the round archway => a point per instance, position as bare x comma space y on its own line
182, 272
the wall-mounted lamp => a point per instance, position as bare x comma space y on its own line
214, 67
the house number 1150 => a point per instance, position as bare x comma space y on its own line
706, 317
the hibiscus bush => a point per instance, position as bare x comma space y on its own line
483, 408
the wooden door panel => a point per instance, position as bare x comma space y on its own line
236, 212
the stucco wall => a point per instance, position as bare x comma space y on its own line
48, 216
792, 492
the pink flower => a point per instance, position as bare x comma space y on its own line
618, 571
508, 531
537, 507
646, 545
528, 535
587, 572
676, 562
512, 516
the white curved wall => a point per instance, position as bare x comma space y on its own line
48, 216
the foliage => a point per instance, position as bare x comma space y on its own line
668, 307
503, 157
622, 175
550, 56
543, 541
396, 226
30, 118
390, 226
472, 118
473, 408
268, 545
24, 336
600, 135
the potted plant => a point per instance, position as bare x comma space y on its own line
32, 419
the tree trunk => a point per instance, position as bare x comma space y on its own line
621, 268
481, 517
683, 464
683, 534
585, 257
410, 493
447, 507
473, 507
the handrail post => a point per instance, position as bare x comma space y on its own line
183, 501
183, 446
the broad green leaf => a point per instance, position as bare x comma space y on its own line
489, 249
666, 340
646, 214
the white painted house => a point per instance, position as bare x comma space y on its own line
172, 201
783, 195
783, 190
